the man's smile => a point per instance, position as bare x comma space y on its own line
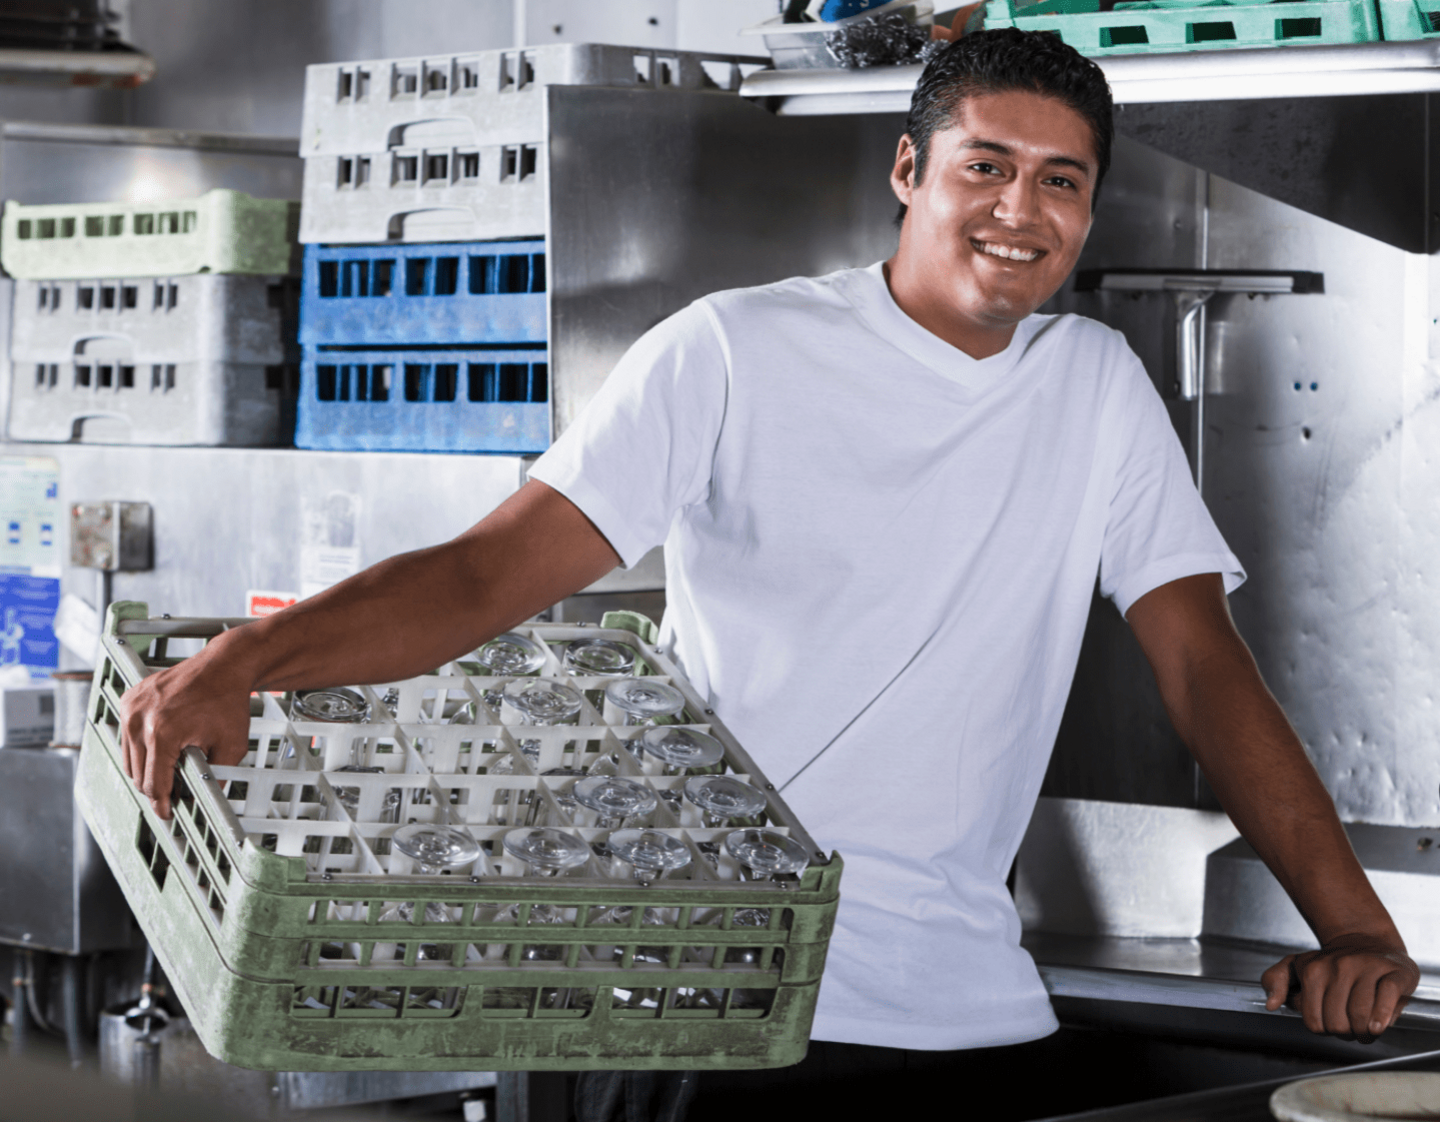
1009, 252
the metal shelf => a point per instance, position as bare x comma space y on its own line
118, 70
1283, 72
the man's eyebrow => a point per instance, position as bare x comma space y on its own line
1006, 150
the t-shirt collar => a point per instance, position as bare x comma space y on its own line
867, 290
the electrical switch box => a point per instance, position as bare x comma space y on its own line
110, 535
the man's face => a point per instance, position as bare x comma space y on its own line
999, 219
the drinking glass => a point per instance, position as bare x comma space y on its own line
613, 799
434, 849
511, 655
598, 658
762, 854
343, 706
722, 798
644, 700
546, 852
542, 701
680, 750
507, 656
564, 795
649, 855
338, 705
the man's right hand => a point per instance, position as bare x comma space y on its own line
202, 702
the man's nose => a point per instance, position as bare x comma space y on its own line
1018, 203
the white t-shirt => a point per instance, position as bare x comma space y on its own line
880, 555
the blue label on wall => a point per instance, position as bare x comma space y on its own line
27, 617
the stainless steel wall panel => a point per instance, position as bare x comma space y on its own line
1307, 485
658, 199
229, 520
78, 164
1329, 494
56, 892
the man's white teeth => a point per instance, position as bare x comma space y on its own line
1008, 252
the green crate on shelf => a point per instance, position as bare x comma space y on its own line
1188, 25
221, 231
1409, 19
265, 901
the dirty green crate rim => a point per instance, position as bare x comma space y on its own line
1171, 28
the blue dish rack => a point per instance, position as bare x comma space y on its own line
424, 293
424, 347
465, 399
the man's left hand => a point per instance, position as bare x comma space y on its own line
1354, 985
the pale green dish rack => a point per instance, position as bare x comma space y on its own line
1151, 26
262, 897
221, 231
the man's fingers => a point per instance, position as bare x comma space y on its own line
1277, 981
159, 778
1360, 1008
1314, 974
1348, 997
132, 731
1389, 1003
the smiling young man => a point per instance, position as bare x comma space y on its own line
885, 495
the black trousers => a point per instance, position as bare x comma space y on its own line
855, 1080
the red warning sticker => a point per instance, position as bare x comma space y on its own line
266, 603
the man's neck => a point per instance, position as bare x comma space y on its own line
924, 303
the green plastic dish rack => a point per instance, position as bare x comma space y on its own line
1409, 19
263, 897
221, 231
1190, 25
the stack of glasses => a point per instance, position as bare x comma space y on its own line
553, 841
648, 801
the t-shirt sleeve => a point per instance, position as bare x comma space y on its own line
1158, 528
643, 448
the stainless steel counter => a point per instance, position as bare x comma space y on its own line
1208, 993
1195, 973
1205, 992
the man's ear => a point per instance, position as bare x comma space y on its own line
902, 175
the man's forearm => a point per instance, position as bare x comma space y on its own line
411, 613
399, 618
1264, 780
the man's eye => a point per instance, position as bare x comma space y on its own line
984, 168
1061, 181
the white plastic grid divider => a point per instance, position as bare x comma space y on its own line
292, 778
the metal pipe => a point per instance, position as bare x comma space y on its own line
1190, 370
71, 997
20, 1028
32, 998
103, 588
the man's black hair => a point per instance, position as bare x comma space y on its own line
1000, 61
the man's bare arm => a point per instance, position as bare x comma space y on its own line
399, 618
1355, 984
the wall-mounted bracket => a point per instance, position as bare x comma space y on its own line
1192, 290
